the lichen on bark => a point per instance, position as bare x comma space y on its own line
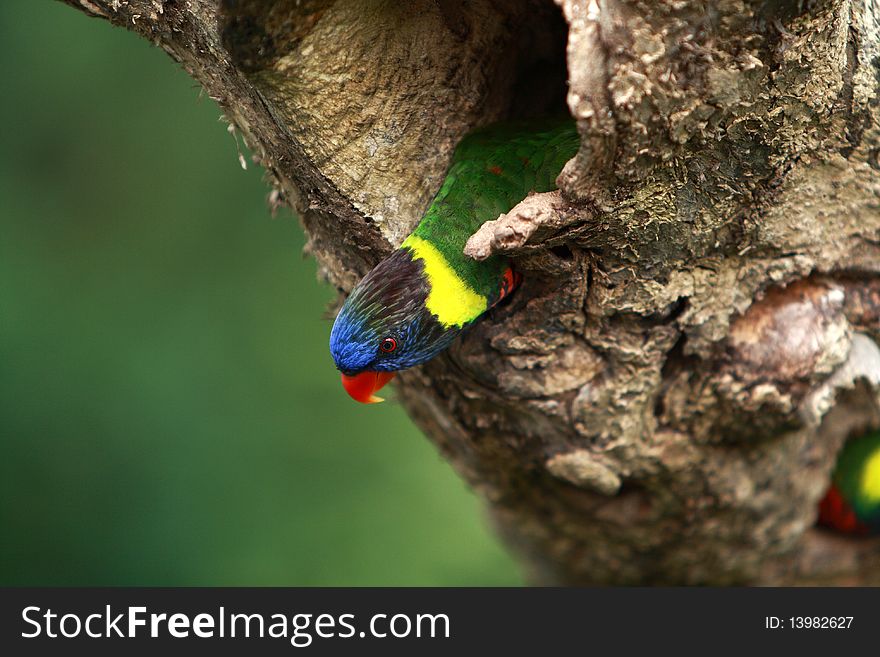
663, 399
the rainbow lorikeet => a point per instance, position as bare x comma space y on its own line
414, 303
852, 503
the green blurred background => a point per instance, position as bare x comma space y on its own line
169, 413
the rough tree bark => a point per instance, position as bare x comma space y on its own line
663, 400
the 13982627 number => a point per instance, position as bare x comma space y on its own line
820, 622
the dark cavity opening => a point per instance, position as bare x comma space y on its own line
523, 59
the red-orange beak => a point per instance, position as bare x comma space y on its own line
361, 387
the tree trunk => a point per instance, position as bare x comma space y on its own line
663, 399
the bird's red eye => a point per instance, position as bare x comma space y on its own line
388, 345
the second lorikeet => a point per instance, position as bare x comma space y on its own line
852, 503
414, 303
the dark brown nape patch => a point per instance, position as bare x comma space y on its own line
399, 281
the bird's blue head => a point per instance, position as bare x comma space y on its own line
384, 326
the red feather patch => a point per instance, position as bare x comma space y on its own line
510, 280
835, 513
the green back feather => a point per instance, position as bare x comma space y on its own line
492, 170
